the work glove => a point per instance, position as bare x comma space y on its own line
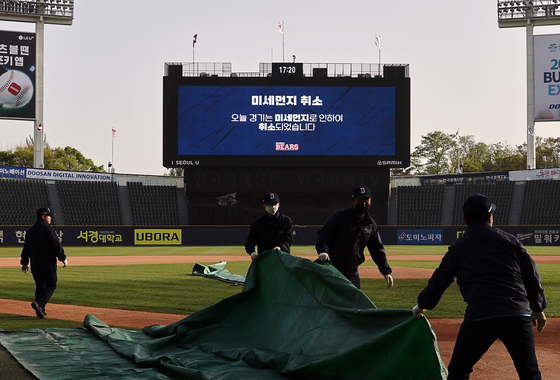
389, 280
538, 320
254, 256
25, 269
324, 257
418, 313
277, 249
65, 263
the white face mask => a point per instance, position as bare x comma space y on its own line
272, 209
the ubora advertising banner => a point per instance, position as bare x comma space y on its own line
145, 236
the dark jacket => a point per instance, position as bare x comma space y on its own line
494, 271
268, 232
344, 237
42, 247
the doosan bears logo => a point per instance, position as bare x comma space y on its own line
282, 146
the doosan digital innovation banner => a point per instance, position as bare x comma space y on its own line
547, 77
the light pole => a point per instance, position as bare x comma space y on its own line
529, 14
39, 12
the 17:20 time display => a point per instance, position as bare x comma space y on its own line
287, 69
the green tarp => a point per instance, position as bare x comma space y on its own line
294, 319
218, 272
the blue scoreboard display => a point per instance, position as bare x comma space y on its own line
264, 121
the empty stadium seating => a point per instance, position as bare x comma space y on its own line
20, 199
420, 205
536, 202
501, 194
82, 203
541, 203
90, 203
153, 205
423, 205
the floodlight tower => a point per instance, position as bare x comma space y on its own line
529, 14
39, 12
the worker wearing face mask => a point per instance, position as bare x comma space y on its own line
271, 231
347, 233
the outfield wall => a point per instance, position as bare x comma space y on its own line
236, 235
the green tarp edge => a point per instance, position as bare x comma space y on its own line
294, 319
70, 354
217, 272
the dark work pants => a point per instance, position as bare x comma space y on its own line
476, 337
354, 278
45, 285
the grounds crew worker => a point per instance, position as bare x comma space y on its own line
345, 235
43, 248
271, 231
501, 285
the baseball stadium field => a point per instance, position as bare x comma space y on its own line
133, 287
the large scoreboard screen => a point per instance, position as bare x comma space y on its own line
267, 121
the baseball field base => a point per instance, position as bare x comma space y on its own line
294, 319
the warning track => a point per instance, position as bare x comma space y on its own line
9, 262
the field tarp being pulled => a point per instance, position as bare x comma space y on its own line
294, 319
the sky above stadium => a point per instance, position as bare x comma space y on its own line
105, 71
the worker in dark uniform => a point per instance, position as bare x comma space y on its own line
271, 231
347, 233
501, 285
43, 248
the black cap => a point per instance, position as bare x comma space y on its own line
478, 206
361, 192
270, 198
44, 211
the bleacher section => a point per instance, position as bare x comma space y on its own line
20, 199
420, 205
87, 203
424, 205
501, 194
90, 203
153, 205
532, 202
541, 203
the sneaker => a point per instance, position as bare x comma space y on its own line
38, 310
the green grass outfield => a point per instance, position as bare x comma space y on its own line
170, 288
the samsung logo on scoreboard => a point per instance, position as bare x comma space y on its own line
158, 237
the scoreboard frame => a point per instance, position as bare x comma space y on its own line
173, 122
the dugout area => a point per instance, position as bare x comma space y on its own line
294, 319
